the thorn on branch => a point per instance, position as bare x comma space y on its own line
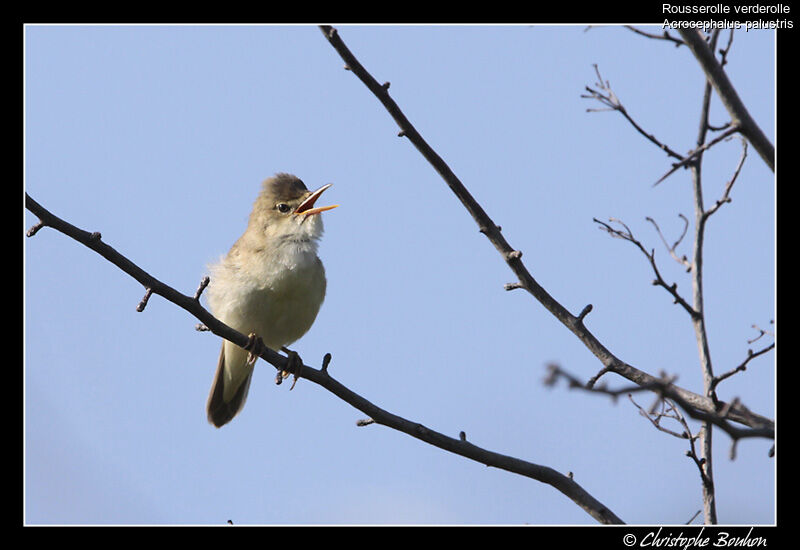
200, 327
401, 133
34, 229
386, 85
692, 158
462, 435
325, 361
203, 284
584, 312
364, 422
512, 286
143, 303
694, 516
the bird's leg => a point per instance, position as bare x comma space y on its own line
255, 346
294, 362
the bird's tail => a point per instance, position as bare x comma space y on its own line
225, 401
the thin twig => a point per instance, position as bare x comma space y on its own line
691, 519
607, 97
663, 36
726, 194
671, 249
668, 410
692, 156
143, 303
203, 284
651, 256
723, 52
762, 332
741, 366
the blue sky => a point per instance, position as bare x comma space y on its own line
159, 137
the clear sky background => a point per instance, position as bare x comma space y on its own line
159, 137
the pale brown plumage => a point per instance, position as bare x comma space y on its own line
271, 283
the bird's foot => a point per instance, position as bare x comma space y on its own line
255, 346
294, 365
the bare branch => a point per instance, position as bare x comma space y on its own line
693, 155
651, 256
663, 36
698, 322
703, 465
726, 195
607, 97
691, 519
669, 411
730, 98
762, 332
666, 389
723, 52
544, 474
493, 234
671, 249
742, 366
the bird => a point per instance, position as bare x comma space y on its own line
270, 285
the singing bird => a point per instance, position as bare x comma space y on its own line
270, 285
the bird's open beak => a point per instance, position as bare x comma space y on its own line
307, 206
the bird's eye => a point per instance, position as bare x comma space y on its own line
283, 207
